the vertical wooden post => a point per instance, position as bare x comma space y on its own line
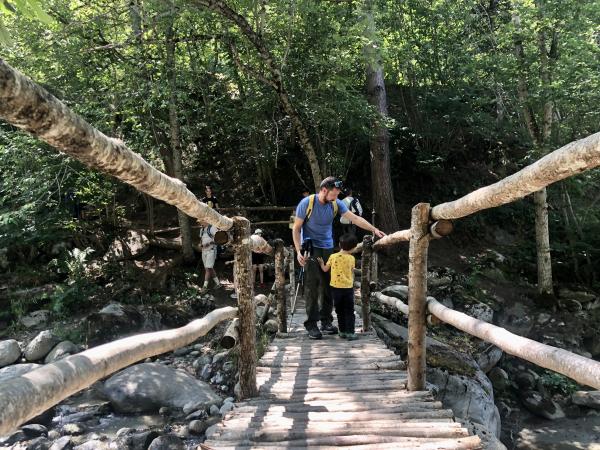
365, 280
280, 286
247, 325
374, 257
417, 296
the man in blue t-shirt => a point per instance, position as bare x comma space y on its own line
318, 228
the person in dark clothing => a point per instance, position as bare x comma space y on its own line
342, 265
314, 219
210, 198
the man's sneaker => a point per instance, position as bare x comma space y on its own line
329, 328
314, 333
351, 336
343, 334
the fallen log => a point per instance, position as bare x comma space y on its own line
231, 336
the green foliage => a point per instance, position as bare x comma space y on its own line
558, 384
77, 288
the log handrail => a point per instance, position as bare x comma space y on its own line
579, 368
26, 396
28, 106
569, 160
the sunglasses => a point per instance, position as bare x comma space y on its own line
335, 184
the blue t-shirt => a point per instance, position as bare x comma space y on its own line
319, 225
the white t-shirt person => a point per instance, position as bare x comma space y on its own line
353, 206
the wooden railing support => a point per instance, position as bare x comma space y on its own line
280, 286
247, 326
365, 281
417, 296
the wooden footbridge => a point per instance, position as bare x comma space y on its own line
301, 394
335, 393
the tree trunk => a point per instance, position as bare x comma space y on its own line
381, 181
184, 222
542, 241
280, 286
365, 281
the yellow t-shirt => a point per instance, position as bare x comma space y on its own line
341, 270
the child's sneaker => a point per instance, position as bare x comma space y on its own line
351, 336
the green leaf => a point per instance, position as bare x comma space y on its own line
40, 14
4, 35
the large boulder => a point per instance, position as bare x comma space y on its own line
9, 352
35, 319
130, 246
480, 311
113, 321
542, 405
489, 357
62, 349
399, 291
590, 399
40, 346
147, 387
470, 397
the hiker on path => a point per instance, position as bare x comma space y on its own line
209, 254
258, 261
210, 198
353, 206
313, 222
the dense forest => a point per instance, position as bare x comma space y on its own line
405, 101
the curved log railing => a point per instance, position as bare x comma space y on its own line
581, 369
567, 161
24, 397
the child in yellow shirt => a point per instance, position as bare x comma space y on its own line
341, 265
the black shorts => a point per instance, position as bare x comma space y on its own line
258, 258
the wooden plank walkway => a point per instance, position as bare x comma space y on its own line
335, 393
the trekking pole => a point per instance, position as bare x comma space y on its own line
300, 281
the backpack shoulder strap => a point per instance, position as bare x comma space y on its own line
311, 204
335, 208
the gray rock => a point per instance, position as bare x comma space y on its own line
40, 346
74, 429
488, 358
199, 414
220, 357
63, 443
214, 410
35, 319
115, 319
399, 291
200, 426
271, 326
219, 378
543, 318
579, 296
229, 400
206, 372
228, 367
9, 352
526, 380
12, 438
499, 378
181, 351
134, 244
16, 370
589, 399
53, 435
469, 397
488, 440
62, 349
94, 444
34, 430
542, 406
481, 311
227, 406
148, 386
39, 443
167, 442
132, 440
